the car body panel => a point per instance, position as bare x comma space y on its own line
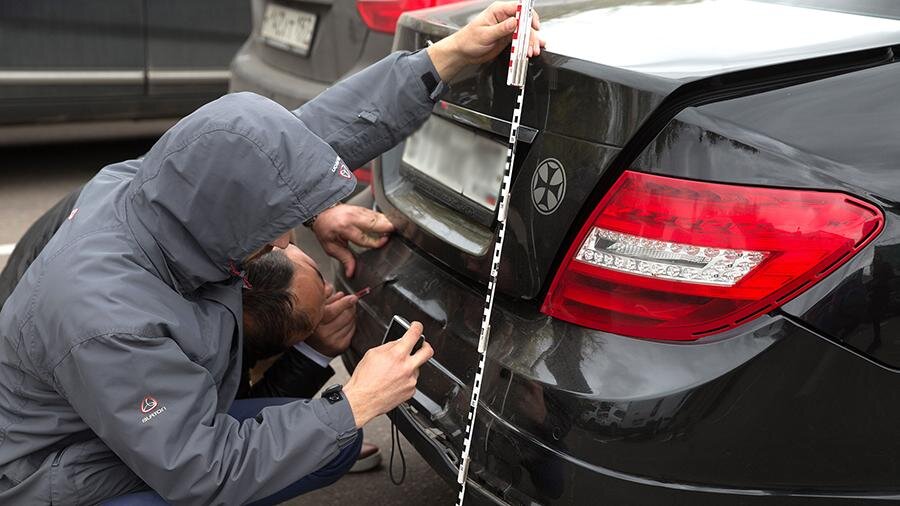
82, 39
613, 105
800, 137
562, 406
189, 44
114, 60
672, 39
776, 411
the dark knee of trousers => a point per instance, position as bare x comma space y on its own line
321, 478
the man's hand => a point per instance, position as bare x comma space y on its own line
336, 227
482, 40
386, 376
332, 336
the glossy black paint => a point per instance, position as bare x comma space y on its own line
772, 409
835, 134
790, 408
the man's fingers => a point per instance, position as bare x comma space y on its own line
367, 240
535, 43
423, 355
502, 10
337, 305
410, 338
344, 318
346, 302
535, 40
370, 241
381, 225
344, 256
500, 30
333, 297
346, 334
330, 311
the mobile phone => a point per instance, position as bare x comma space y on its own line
399, 325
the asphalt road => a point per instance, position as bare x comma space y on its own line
32, 179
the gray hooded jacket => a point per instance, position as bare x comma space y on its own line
120, 349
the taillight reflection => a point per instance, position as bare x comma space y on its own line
382, 15
672, 259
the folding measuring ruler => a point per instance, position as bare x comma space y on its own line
518, 66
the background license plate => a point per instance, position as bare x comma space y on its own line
289, 29
458, 158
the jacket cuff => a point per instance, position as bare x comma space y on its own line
427, 76
339, 417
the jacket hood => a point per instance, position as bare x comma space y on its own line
225, 180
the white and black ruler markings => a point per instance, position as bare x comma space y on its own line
518, 66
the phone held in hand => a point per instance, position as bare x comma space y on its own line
399, 325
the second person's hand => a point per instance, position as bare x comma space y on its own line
342, 224
332, 336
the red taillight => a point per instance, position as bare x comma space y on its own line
382, 15
673, 259
364, 174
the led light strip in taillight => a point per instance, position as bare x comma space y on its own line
667, 260
673, 259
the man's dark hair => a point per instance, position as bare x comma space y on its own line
271, 316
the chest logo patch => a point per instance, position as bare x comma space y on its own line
148, 404
150, 408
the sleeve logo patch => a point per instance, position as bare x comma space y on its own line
151, 408
341, 169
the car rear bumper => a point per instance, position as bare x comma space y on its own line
250, 73
571, 416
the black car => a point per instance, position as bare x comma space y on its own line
91, 62
698, 300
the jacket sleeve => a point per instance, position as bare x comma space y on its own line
156, 409
373, 110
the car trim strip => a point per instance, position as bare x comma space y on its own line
482, 121
111, 77
173, 76
70, 77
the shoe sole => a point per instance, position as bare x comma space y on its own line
367, 463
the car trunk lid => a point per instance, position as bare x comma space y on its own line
590, 106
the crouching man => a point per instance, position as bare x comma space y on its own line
121, 346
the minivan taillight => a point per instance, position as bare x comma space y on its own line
382, 15
674, 259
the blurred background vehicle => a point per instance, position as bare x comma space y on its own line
102, 68
297, 49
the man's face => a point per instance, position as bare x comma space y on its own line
308, 285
